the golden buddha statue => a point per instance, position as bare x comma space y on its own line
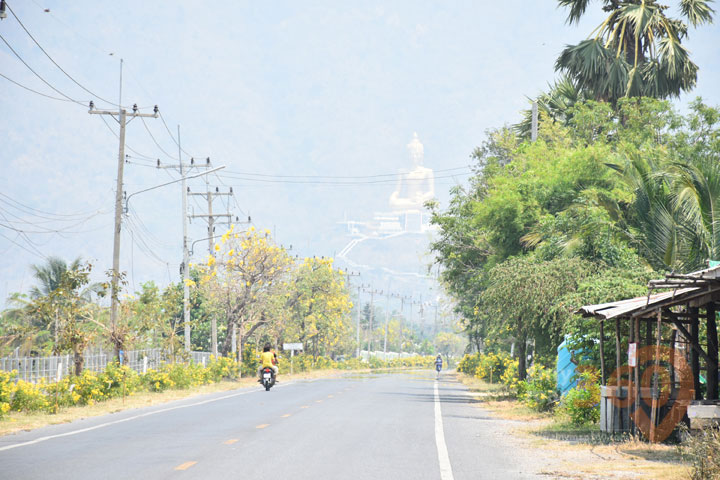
415, 187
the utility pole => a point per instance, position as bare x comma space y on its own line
357, 339
387, 313
210, 196
534, 122
349, 275
371, 340
186, 256
121, 117
185, 267
372, 315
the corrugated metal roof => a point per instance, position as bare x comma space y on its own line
626, 307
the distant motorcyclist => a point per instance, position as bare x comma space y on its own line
268, 358
438, 363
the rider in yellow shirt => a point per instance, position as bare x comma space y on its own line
268, 358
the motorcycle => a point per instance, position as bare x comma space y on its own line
268, 378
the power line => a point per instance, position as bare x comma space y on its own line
337, 183
155, 141
38, 75
143, 245
173, 136
22, 246
140, 155
20, 206
54, 62
341, 177
33, 91
146, 230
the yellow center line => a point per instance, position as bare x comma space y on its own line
318, 401
305, 406
263, 425
330, 396
185, 466
231, 441
286, 415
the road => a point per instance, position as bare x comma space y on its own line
377, 426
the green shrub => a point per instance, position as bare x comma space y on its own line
7, 390
469, 364
492, 366
119, 380
250, 362
222, 368
582, 403
539, 391
511, 380
62, 394
89, 387
29, 397
157, 380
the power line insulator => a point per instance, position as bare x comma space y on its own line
207, 161
156, 110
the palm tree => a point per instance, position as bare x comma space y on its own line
556, 105
697, 193
49, 275
636, 51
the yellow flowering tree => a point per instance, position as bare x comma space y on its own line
320, 306
241, 281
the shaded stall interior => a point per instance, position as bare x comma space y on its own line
666, 355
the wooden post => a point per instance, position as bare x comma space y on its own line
673, 373
694, 356
618, 343
602, 352
656, 385
712, 350
630, 392
637, 373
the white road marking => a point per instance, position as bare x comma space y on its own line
147, 414
443, 457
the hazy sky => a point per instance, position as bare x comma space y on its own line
273, 88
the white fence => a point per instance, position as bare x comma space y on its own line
35, 369
365, 355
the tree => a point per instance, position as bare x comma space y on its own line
320, 306
636, 51
521, 294
49, 276
249, 271
449, 344
555, 105
70, 309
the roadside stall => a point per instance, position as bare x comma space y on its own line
663, 373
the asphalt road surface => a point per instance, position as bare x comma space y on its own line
361, 426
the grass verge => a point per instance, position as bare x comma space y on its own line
580, 452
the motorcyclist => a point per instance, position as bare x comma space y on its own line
268, 358
438, 363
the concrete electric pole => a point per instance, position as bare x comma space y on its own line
210, 217
121, 117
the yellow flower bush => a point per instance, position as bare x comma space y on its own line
7, 390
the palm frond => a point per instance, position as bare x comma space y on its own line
697, 11
577, 9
